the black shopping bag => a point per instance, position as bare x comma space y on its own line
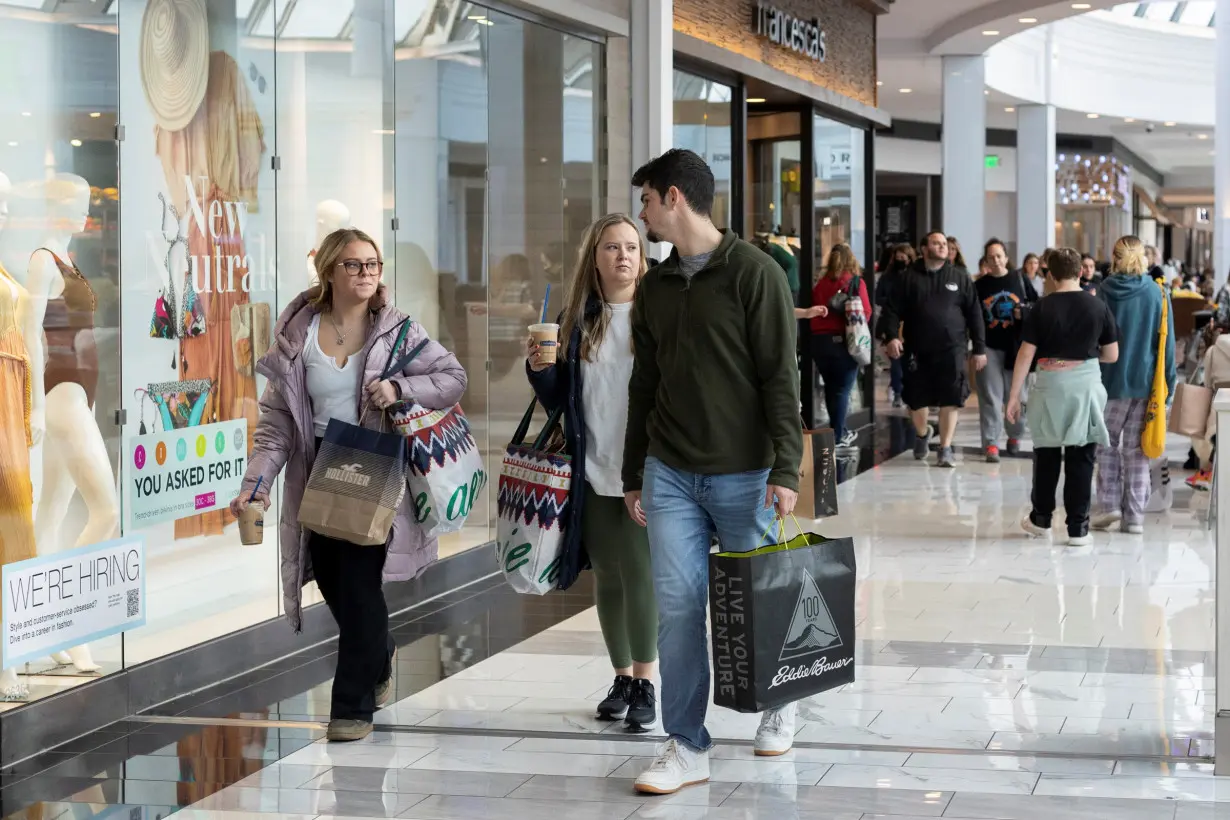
783, 622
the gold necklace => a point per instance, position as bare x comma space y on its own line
341, 337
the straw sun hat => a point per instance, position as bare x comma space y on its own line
174, 59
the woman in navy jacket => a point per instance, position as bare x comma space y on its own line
590, 383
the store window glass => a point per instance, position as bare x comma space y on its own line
702, 124
463, 139
60, 368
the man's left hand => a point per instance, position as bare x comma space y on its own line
781, 497
980, 362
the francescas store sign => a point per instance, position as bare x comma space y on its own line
784, 29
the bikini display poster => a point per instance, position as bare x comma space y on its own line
186, 472
64, 600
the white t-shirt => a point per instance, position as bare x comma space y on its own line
605, 396
334, 390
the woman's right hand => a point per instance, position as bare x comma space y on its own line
531, 354
239, 502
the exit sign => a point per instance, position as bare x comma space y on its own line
992, 160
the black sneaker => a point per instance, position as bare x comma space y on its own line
615, 707
922, 445
642, 707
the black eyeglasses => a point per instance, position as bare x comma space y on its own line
355, 268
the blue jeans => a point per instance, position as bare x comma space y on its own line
684, 511
839, 370
896, 376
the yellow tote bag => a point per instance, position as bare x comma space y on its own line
1153, 438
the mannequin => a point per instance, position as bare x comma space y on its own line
330, 215
17, 541
74, 455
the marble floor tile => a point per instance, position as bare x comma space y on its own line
443, 699
1156, 728
1110, 745
1200, 811
1027, 705
451, 807
871, 738
799, 754
1009, 763
310, 802
617, 790
931, 779
526, 722
429, 740
511, 762
204, 814
772, 800
356, 754
760, 770
967, 805
1211, 789
923, 723
585, 746
966, 691
1151, 768
282, 776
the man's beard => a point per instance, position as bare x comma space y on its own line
652, 237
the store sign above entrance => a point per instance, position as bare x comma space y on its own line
795, 33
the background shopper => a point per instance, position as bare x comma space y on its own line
1067, 334
937, 305
1005, 301
842, 280
902, 258
331, 344
1136, 302
590, 381
714, 437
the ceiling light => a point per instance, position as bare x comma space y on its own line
986, 93
990, 33
95, 115
1009, 110
755, 99
1028, 20
1081, 6
384, 132
879, 82
12, 144
1092, 116
26, 114
1169, 124
907, 90
75, 143
1129, 119
1202, 136
477, 18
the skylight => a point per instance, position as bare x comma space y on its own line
1187, 12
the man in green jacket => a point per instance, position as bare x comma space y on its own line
714, 439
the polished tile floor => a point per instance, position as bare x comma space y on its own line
998, 678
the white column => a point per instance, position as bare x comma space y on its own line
1221, 145
653, 87
964, 152
1035, 178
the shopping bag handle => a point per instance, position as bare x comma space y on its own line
781, 529
390, 372
401, 337
523, 428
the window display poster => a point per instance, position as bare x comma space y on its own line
65, 599
179, 473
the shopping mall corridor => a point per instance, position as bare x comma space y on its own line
998, 678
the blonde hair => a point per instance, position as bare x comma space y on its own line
586, 283
329, 254
840, 260
1129, 256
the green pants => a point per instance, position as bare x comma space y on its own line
618, 548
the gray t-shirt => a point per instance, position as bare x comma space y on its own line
689, 265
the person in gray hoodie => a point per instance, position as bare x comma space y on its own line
330, 345
1136, 301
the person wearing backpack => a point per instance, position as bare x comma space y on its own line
841, 281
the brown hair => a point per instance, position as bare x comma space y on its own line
1129, 256
586, 283
841, 259
329, 254
1064, 264
907, 249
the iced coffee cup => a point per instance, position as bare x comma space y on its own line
252, 524
546, 336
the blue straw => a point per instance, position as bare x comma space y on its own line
252, 497
546, 300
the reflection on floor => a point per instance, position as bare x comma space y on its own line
998, 678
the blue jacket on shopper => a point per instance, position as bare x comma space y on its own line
1136, 303
556, 387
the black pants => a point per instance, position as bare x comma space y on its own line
349, 578
1077, 464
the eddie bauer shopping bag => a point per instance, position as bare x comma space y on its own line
358, 479
782, 621
532, 507
444, 471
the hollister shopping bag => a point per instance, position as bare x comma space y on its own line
783, 622
357, 483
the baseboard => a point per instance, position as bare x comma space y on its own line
49, 722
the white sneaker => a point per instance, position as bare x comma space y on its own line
1032, 529
675, 767
1105, 521
848, 439
1080, 540
776, 733
1134, 529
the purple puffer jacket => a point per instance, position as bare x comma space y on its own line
285, 436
